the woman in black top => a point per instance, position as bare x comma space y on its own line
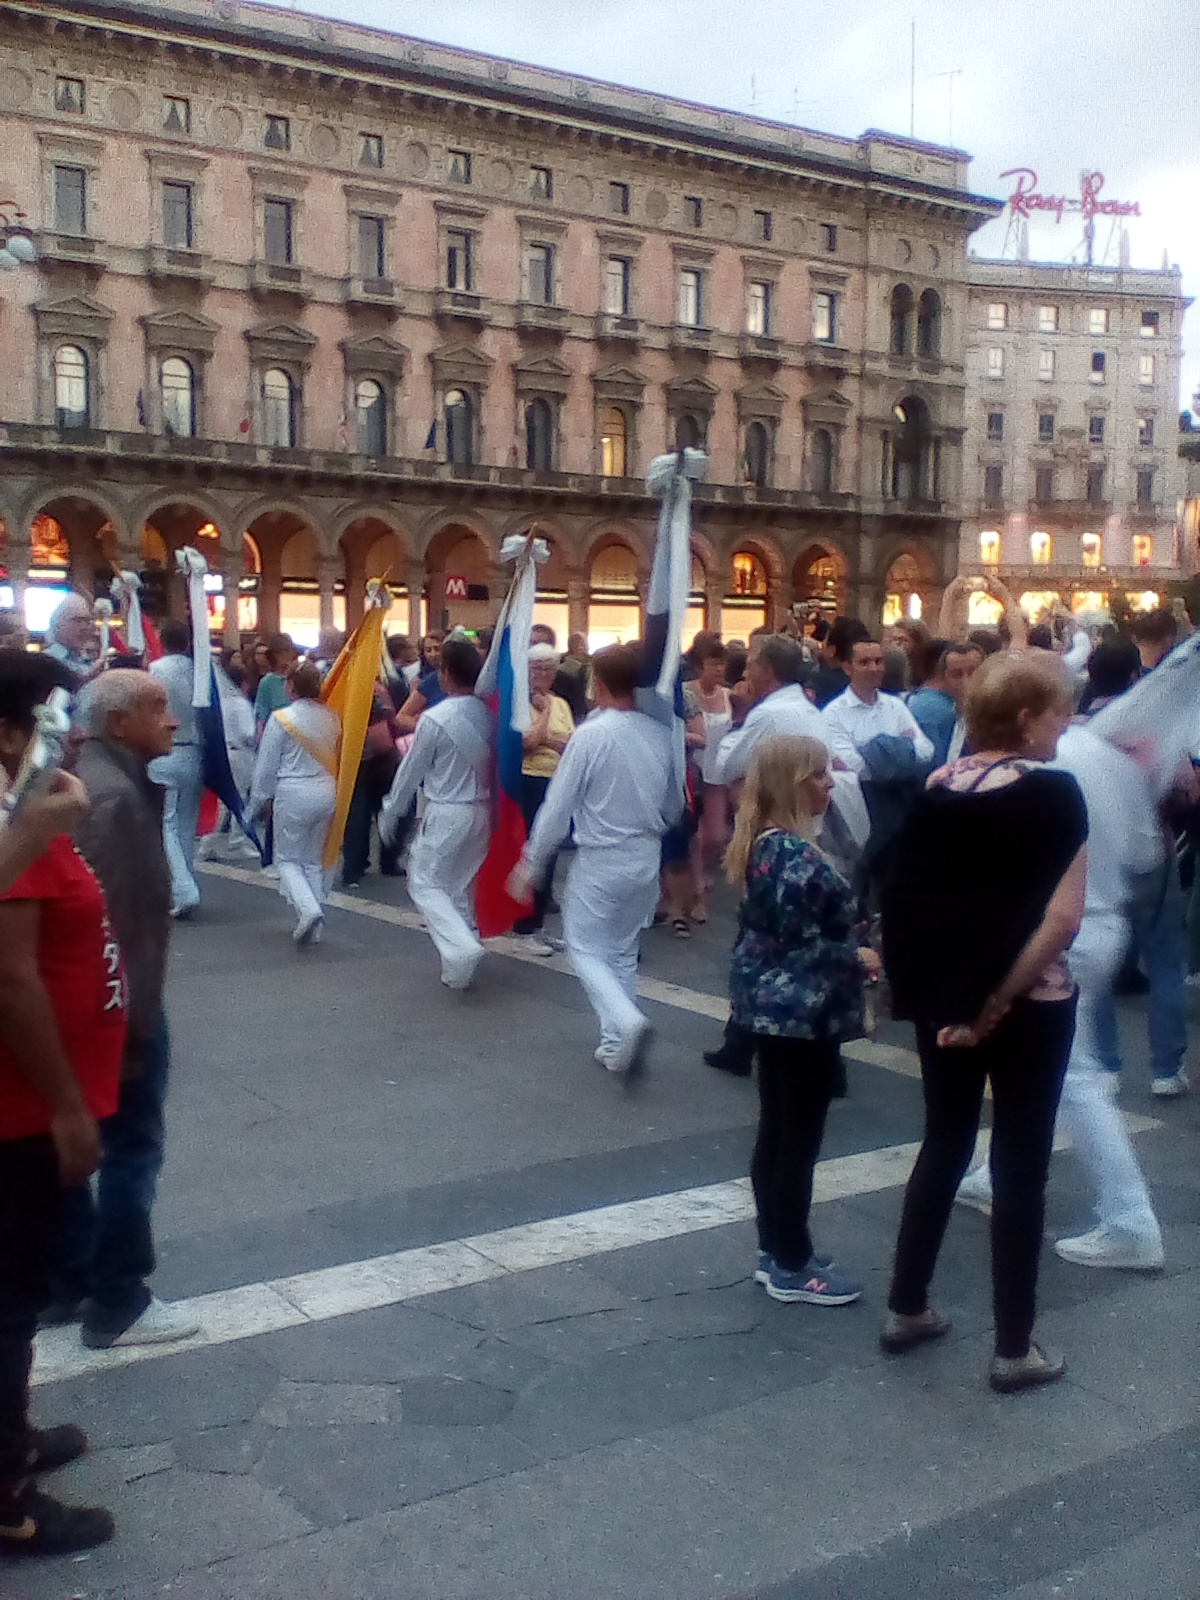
986, 896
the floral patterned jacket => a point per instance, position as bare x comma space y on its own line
795, 968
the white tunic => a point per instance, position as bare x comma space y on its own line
785, 711
853, 723
280, 758
175, 674
450, 754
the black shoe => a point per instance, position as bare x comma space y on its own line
34, 1524
736, 1066
51, 1448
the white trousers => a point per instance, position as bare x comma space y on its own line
1089, 1115
303, 808
609, 897
179, 775
443, 863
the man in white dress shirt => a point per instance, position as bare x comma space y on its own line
775, 673
451, 755
861, 713
614, 782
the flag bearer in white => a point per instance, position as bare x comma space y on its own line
451, 756
615, 783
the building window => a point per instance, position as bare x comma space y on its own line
70, 200
1096, 428
616, 286
613, 439
829, 237
618, 199
1143, 549
763, 226
1145, 487
1046, 427
68, 96
539, 274
370, 150
756, 455
72, 389
460, 273
1041, 549
541, 183
995, 427
691, 303
1146, 370
370, 410
372, 248
989, 549
177, 215
1089, 549
997, 314
822, 461
901, 311
689, 432
825, 328
993, 486
929, 325
693, 210
1098, 319
459, 431
458, 166
1096, 375
1047, 319
1046, 365
539, 436
1149, 326
279, 409
1043, 485
1095, 486
177, 387
277, 135
758, 309
1145, 433
176, 114
278, 240
995, 361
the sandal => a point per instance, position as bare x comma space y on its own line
1011, 1374
681, 928
900, 1334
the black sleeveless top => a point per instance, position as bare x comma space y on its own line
972, 876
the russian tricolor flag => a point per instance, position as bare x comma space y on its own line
504, 684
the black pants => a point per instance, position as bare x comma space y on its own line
1025, 1059
533, 792
370, 791
797, 1078
30, 1207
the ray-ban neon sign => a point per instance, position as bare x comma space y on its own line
1025, 199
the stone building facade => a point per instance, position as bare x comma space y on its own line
336, 302
1074, 484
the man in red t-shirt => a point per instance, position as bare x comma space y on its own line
62, 1035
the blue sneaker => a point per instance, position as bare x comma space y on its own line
762, 1273
813, 1286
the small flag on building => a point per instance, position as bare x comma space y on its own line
431, 437
141, 410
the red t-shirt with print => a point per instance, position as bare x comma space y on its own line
79, 961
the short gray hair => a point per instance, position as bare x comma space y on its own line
69, 604
118, 689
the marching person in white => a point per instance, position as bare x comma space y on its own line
296, 769
861, 713
615, 783
451, 755
180, 772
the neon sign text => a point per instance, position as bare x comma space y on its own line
1025, 198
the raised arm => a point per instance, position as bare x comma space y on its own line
412, 772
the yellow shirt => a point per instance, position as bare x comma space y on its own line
543, 762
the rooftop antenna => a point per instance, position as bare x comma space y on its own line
753, 93
912, 81
955, 72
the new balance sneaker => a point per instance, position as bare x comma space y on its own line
158, 1324
1170, 1088
35, 1524
762, 1272
813, 1286
1105, 1247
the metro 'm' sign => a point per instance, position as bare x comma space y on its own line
456, 586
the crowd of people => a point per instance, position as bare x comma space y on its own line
912, 810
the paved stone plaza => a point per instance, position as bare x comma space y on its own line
604, 1406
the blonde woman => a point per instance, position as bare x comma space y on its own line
796, 984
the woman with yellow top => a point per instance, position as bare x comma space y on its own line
545, 742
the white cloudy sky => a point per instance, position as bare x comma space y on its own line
1057, 85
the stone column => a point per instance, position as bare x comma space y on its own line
356, 590
416, 593
714, 601
232, 569
329, 570
773, 619
643, 591
579, 591
270, 583
18, 557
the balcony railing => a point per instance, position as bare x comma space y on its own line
1090, 509
760, 347
535, 316
683, 336
617, 328
279, 278
460, 305
71, 249
371, 292
169, 263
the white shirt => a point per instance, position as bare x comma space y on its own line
613, 782
784, 711
852, 723
1124, 837
451, 754
175, 675
279, 755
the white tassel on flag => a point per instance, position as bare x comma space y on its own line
126, 590
517, 616
195, 569
670, 478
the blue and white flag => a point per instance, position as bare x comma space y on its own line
1157, 721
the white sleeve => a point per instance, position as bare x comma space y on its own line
841, 746
266, 765
735, 749
565, 790
1077, 657
412, 772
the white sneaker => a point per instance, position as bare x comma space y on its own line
305, 929
1193, 980
976, 1190
1104, 1247
603, 1054
159, 1324
1170, 1088
534, 944
461, 976
628, 1057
